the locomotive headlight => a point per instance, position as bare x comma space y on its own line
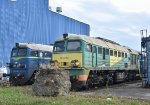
21, 65
54, 63
74, 63
9, 65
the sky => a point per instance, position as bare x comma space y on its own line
117, 20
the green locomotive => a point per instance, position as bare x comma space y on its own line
95, 61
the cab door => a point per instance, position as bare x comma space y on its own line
34, 60
47, 57
40, 60
104, 56
94, 56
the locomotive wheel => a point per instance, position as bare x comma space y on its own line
144, 84
101, 83
109, 80
32, 79
85, 87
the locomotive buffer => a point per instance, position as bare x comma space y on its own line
145, 59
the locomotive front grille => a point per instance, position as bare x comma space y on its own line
64, 60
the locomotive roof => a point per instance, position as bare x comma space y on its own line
36, 46
101, 42
132, 50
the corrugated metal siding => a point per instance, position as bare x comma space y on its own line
31, 21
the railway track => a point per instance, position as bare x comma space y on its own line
131, 90
121, 84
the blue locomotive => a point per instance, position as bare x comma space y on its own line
25, 61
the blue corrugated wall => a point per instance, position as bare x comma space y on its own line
31, 21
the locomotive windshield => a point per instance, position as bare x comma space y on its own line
59, 46
14, 52
19, 52
70, 46
74, 46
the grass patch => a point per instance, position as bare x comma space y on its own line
25, 96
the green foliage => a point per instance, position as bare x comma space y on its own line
25, 96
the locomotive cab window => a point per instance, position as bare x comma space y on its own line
94, 49
14, 52
47, 54
115, 53
135, 58
59, 46
34, 53
88, 48
119, 54
40, 54
139, 56
22, 52
111, 53
122, 54
74, 46
125, 55
104, 53
99, 50
19, 52
107, 51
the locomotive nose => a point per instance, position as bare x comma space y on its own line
17, 78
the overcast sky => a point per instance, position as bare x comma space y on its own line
117, 20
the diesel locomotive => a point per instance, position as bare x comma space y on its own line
95, 61
25, 61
